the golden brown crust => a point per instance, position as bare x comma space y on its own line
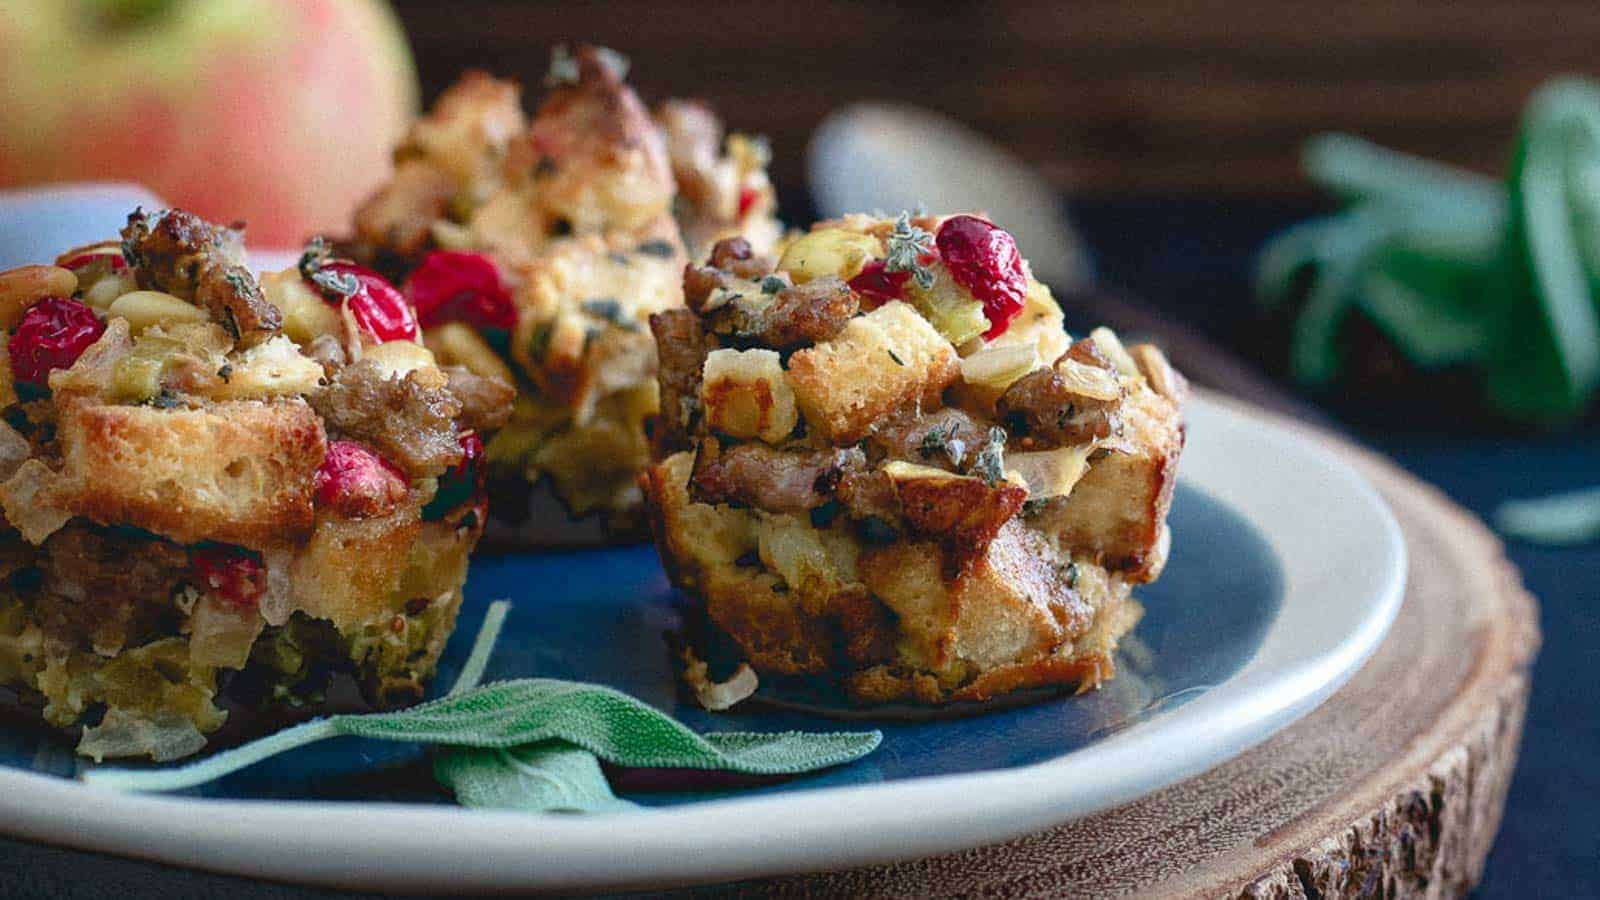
575, 206
172, 491
238, 472
598, 160
347, 569
1118, 510
939, 522
846, 386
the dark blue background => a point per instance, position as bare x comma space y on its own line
1191, 257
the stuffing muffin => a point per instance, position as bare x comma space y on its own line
221, 493
536, 249
882, 463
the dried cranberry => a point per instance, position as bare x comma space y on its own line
462, 483
453, 286
356, 482
233, 573
53, 333
747, 199
378, 306
82, 261
983, 258
878, 284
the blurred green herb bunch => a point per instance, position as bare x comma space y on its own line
1456, 269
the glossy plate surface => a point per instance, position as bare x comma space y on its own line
1285, 572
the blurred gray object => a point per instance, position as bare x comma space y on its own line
37, 224
873, 156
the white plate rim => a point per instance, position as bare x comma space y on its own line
1344, 565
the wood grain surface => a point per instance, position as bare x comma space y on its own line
1392, 788
1104, 95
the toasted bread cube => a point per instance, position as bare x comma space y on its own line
1009, 605
582, 327
349, 570
239, 472
882, 362
1116, 511
745, 395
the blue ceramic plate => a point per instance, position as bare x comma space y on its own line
603, 616
1285, 571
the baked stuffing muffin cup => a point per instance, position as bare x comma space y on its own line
882, 463
536, 248
223, 494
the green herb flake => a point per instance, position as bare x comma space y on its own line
942, 439
609, 309
907, 245
240, 281
896, 357
313, 268
990, 464
563, 67
614, 61
772, 284
662, 249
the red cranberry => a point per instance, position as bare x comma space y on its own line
53, 333
878, 284
232, 573
378, 307
83, 261
356, 482
747, 199
983, 258
450, 286
464, 481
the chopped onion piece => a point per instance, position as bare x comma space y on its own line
1088, 381
1110, 346
27, 501
1050, 473
718, 696
999, 367
1153, 364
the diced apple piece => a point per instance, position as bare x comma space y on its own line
745, 395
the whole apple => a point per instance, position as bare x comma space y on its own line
278, 112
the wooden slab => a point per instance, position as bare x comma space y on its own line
1392, 788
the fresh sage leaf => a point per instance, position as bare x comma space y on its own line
555, 718
550, 777
1561, 519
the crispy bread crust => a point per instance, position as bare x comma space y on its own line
940, 523
239, 472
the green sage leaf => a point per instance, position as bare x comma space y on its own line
551, 777
1561, 519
